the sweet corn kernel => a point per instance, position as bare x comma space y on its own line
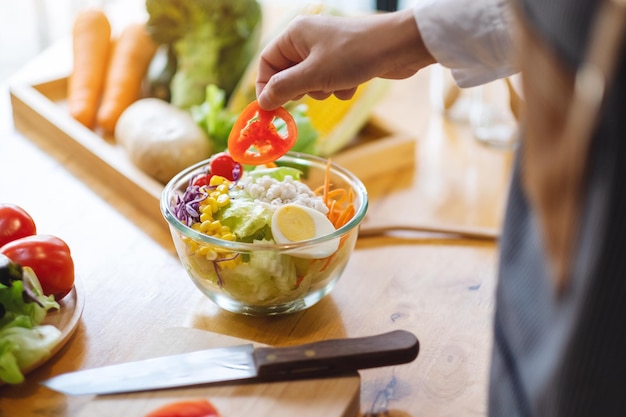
222, 230
216, 180
203, 250
206, 216
223, 200
228, 236
207, 252
231, 263
222, 188
215, 225
206, 226
192, 246
211, 204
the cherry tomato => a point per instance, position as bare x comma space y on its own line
254, 139
15, 223
189, 408
50, 259
202, 180
224, 165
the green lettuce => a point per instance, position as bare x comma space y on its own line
213, 117
23, 306
213, 40
21, 347
247, 219
267, 278
277, 173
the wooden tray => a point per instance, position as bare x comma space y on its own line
39, 112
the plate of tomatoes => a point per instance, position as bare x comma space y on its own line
38, 267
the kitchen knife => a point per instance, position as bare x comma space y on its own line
245, 362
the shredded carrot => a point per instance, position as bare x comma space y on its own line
328, 261
339, 194
331, 211
340, 202
91, 47
345, 216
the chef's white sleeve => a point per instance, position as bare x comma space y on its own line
473, 38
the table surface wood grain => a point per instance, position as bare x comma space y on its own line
438, 287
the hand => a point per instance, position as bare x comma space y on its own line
325, 55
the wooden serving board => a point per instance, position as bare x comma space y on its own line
39, 112
328, 397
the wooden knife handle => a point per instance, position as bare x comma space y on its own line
337, 355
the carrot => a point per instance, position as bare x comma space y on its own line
91, 45
129, 64
339, 201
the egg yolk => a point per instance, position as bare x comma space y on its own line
296, 224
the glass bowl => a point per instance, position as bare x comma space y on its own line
262, 277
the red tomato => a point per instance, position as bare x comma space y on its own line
15, 223
202, 180
224, 165
190, 408
50, 259
254, 139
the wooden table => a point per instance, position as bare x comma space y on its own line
439, 288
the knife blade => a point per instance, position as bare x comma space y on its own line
244, 362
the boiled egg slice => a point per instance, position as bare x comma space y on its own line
295, 223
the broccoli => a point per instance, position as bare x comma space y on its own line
213, 41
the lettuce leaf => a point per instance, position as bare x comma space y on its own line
277, 173
247, 219
21, 347
23, 306
267, 278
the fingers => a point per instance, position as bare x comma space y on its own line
340, 94
281, 88
307, 59
270, 99
345, 94
280, 80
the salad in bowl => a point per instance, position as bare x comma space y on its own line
267, 239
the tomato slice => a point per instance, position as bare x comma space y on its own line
254, 139
188, 408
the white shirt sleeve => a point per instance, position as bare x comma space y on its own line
472, 38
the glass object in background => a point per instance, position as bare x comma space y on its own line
448, 98
494, 113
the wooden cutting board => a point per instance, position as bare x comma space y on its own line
328, 397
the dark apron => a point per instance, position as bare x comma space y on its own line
560, 351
